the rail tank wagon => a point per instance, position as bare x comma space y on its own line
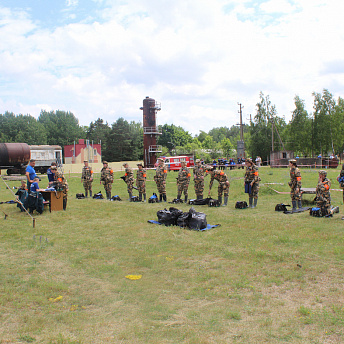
14, 156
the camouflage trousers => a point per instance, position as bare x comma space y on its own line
254, 191
324, 203
161, 186
107, 186
223, 188
295, 196
130, 184
87, 185
141, 185
183, 187
199, 187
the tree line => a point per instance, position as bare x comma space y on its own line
307, 134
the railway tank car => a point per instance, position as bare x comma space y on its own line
15, 156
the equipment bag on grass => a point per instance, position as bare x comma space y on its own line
98, 195
197, 220
241, 205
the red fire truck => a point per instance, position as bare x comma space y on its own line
173, 162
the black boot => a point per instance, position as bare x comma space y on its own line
164, 198
220, 200
299, 203
90, 193
250, 202
130, 196
178, 196
109, 195
186, 199
64, 203
255, 202
160, 198
140, 196
294, 205
144, 197
225, 201
86, 193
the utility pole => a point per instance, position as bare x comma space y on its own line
272, 127
241, 125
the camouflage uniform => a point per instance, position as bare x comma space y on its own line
129, 178
106, 176
295, 183
221, 177
87, 179
62, 185
183, 181
251, 175
198, 173
141, 183
160, 180
341, 184
323, 196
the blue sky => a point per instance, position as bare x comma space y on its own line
199, 58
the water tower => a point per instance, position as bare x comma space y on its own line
150, 131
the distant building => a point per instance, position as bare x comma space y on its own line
84, 150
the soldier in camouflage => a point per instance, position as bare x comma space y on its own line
87, 178
62, 185
141, 182
295, 184
252, 179
223, 187
323, 195
160, 179
129, 179
198, 172
106, 177
183, 181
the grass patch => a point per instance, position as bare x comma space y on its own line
262, 277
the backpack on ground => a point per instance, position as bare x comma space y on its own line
241, 205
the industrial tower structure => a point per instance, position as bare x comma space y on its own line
150, 131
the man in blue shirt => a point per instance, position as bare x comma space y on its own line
30, 172
51, 173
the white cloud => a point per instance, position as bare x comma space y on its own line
193, 56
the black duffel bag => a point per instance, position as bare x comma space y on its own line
241, 205
166, 217
183, 220
197, 220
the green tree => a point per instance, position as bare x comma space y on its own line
300, 129
21, 128
98, 132
227, 147
324, 108
173, 136
260, 142
62, 127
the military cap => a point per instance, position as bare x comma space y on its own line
139, 164
85, 160
161, 159
125, 164
105, 162
292, 161
249, 160
323, 172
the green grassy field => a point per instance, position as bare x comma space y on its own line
262, 277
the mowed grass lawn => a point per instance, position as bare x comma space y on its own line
262, 277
